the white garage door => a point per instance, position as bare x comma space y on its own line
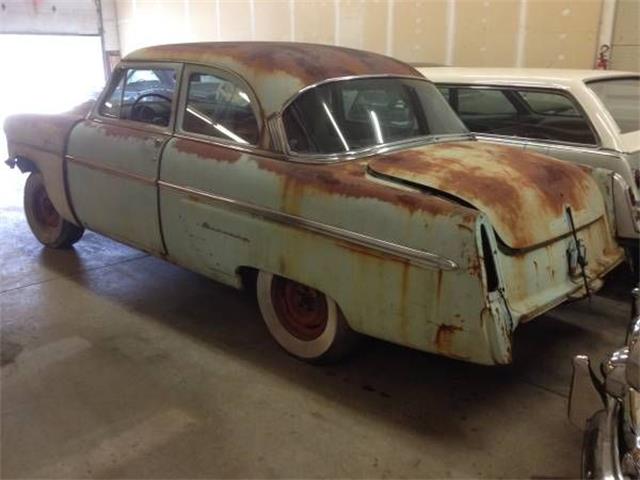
72, 17
44, 74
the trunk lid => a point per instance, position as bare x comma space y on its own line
524, 194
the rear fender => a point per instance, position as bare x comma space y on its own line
605, 181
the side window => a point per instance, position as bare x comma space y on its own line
142, 95
549, 104
387, 105
219, 108
554, 117
476, 101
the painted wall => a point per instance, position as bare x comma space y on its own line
533, 33
625, 52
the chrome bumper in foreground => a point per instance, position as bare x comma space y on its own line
600, 452
607, 410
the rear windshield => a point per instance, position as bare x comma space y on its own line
349, 115
622, 98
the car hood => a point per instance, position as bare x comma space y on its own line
525, 195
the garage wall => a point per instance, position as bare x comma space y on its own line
536, 33
625, 51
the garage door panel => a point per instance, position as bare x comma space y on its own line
77, 17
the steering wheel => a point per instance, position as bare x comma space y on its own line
145, 113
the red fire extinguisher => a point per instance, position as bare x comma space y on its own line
603, 57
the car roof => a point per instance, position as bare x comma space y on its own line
520, 76
277, 70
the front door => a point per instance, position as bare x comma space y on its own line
113, 157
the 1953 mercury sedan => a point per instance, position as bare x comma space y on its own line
340, 181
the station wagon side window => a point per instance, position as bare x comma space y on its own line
545, 103
480, 102
525, 113
220, 108
141, 95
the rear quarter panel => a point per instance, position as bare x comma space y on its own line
431, 309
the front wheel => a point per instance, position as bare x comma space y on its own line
305, 322
46, 223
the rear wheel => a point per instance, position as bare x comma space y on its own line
305, 322
46, 223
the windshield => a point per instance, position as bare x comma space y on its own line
355, 114
622, 98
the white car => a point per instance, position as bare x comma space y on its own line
591, 117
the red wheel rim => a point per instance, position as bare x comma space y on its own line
302, 310
43, 209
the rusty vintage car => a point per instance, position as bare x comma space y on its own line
340, 181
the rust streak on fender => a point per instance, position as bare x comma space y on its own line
505, 180
207, 151
122, 133
349, 180
444, 338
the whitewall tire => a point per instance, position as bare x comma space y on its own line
305, 322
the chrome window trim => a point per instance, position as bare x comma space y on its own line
346, 78
412, 255
213, 141
558, 146
563, 90
279, 136
97, 117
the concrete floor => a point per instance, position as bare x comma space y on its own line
117, 364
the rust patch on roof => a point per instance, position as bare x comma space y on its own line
276, 71
310, 63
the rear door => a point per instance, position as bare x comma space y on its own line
113, 157
206, 167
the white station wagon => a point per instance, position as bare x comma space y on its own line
590, 117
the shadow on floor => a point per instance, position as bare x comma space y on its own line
394, 383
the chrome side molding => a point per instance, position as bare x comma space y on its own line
412, 255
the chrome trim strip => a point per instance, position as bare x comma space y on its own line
527, 142
113, 171
249, 149
347, 78
277, 127
413, 255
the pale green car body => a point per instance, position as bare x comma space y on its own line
401, 237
